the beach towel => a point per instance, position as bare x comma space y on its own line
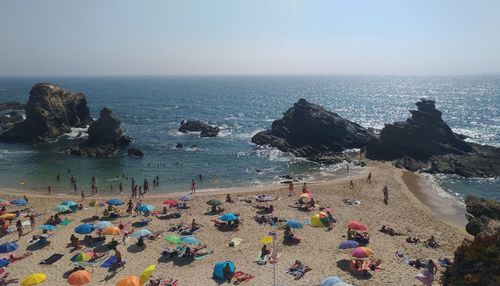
261, 260
108, 262
52, 259
241, 278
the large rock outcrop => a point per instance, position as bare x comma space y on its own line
105, 137
11, 117
50, 112
308, 130
425, 142
11, 105
198, 126
483, 215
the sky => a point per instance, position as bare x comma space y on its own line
231, 37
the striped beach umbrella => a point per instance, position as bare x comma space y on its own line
361, 252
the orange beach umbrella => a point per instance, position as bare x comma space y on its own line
130, 280
112, 230
80, 277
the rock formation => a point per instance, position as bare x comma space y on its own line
198, 126
483, 215
133, 152
425, 142
50, 112
308, 130
105, 137
11, 117
11, 105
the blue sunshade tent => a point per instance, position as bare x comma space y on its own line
114, 202
102, 224
190, 239
228, 217
19, 202
348, 244
47, 227
8, 247
292, 223
146, 208
330, 281
85, 228
219, 269
141, 233
61, 208
69, 203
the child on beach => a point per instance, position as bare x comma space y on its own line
193, 186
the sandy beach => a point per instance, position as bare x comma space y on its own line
409, 212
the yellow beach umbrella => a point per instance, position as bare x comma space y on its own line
112, 230
266, 239
7, 216
130, 280
146, 274
34, 279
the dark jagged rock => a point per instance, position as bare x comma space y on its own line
105, 137
308, 130
179, 145
11, 105
198, 126
425, 142
11, 117
50, 112
133, 152
483, 215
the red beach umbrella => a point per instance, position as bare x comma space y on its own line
356, 225
170, 202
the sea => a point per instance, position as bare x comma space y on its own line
152, 107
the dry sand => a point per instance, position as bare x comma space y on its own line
318, 249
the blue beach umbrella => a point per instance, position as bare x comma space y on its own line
19, 202
85, 228
69, 204
114, 202
348, 244
228, 217
190, 239
47, 227
61, 208
292, 223
8, 247
4, 262
141, 233
146, 208
102, 224
330, 281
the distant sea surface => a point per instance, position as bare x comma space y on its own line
151, 109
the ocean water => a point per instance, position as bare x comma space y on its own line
151, 109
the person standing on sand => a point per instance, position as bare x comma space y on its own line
19, 227
351, 184
83, 195
304, 188
50, 190
385, 190
369, 178
193, 186
32, 222
120, 188
290, 189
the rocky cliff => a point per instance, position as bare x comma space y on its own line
483, 215
50, 112
198, 126
308, 130
105, 137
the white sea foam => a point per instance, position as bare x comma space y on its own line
433, 181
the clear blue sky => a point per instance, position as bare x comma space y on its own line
100, 37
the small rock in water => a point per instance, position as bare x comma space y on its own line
135, 152
179, 145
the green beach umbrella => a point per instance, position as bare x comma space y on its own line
173, 239
214, 202
61, 208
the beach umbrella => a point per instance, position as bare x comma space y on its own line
361, 252
342, 283
85, 228
34, 279
114, 202
214, 202
228, 217
80, 277
103, 224
186, 198
4, 202
19, 202
219, 269
190, 239
319, 220
141, 233
347, 244
130, 280
8, 247
47, 227
96, 204
147, 273
112, 230
173, 239
292, 223
4, 262
306, 195
7, 216
61, 209
82, 256
69, 204
356, 225
266, 239
330, 281
170, 202
146, 208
